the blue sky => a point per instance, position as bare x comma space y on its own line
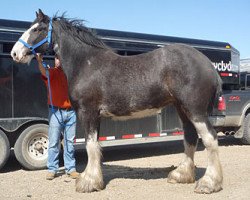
219, 20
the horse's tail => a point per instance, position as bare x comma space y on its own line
217, 94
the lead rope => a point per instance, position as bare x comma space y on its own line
62, 123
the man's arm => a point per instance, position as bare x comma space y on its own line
39, 59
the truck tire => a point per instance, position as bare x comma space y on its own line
31, 147
246, 130
4, 149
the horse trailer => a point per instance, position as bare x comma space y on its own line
23, 95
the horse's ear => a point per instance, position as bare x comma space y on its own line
40, 14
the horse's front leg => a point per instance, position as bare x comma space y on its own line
91, 179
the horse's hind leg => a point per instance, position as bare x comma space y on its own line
212, 180
185, 172
91, 179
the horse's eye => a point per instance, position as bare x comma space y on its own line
35, 30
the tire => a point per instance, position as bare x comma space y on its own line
31, 147
4, 149
246, 130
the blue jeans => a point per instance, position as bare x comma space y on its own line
55, 131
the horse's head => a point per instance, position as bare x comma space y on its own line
25, 48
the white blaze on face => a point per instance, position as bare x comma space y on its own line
19, 51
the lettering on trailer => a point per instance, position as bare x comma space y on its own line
222, 67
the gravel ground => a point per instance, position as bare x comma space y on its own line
135, 172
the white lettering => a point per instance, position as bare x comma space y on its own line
221, 67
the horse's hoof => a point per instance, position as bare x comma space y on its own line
206, 186
85, 184
181, 176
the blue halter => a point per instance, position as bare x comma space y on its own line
32, 48
47, 39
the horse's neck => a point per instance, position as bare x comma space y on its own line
70, 51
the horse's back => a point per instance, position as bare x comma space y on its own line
188, 63
191, 77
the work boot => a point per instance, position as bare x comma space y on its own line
73, 174
50, 176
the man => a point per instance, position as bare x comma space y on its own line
61, 120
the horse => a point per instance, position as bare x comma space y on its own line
105, 84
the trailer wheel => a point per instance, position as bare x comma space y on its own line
4, 149
246, 130
31, 148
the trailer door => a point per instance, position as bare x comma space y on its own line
6, 87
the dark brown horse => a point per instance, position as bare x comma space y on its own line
105, 84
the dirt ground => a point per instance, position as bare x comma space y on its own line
135, 172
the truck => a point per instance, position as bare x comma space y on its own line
235, 118
23, 97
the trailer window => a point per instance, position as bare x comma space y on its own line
129, 53
6, 47
248, 81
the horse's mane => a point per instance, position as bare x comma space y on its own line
78, 30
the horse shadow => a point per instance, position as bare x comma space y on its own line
112, 172
229, 141
130, 152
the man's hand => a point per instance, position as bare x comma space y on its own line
39, 58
